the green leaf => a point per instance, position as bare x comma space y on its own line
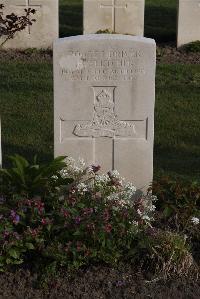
8, 261
77, 233
30, 246
14, 253
18, 262
167, 211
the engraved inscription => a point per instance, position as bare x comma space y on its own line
105, 122
111, 65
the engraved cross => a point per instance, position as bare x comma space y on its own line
28, 5
103, 125
113, 6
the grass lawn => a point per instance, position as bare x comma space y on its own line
26, 93
27, 115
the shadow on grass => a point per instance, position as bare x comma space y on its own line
26, 151
178, 163
71, 16
160, 23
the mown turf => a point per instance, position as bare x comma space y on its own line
160, 20
27, 115
26, 99
26, 93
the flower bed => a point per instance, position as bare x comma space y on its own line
65, 215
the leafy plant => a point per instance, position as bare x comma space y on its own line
73, 216
31, 179
193, 47
177, 202
11, 24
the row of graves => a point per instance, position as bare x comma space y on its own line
104, 84
115, 16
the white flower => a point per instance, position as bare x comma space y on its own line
73, 168
81, 162
104, 178
146, 218
64, 173
195, 220
129, 191
82, 187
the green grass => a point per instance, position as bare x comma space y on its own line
160, 19
27, 115
26, 93
177, 124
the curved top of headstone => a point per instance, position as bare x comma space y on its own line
89, 37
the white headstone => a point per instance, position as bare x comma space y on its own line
119, 16
104, 92
41, 33
188, 22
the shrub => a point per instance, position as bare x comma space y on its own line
31, 179
179, 203
178, 207
91, 218
193, 47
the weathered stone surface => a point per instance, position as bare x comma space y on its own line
43, 32
188, 21
120, 16
104, 102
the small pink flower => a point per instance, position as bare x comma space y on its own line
44, 221
108, 228
77, 220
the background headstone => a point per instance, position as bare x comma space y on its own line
188, 21
43, 32
104, 92
120, 16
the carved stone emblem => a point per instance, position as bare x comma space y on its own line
105, 122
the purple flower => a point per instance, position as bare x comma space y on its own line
120, 283
15, 217
77, 220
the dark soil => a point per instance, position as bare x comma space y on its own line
29, 55
168, 54
165, 54
98, 282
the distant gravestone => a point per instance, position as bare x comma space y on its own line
43, 32
188, 22
104, 102
119, 16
